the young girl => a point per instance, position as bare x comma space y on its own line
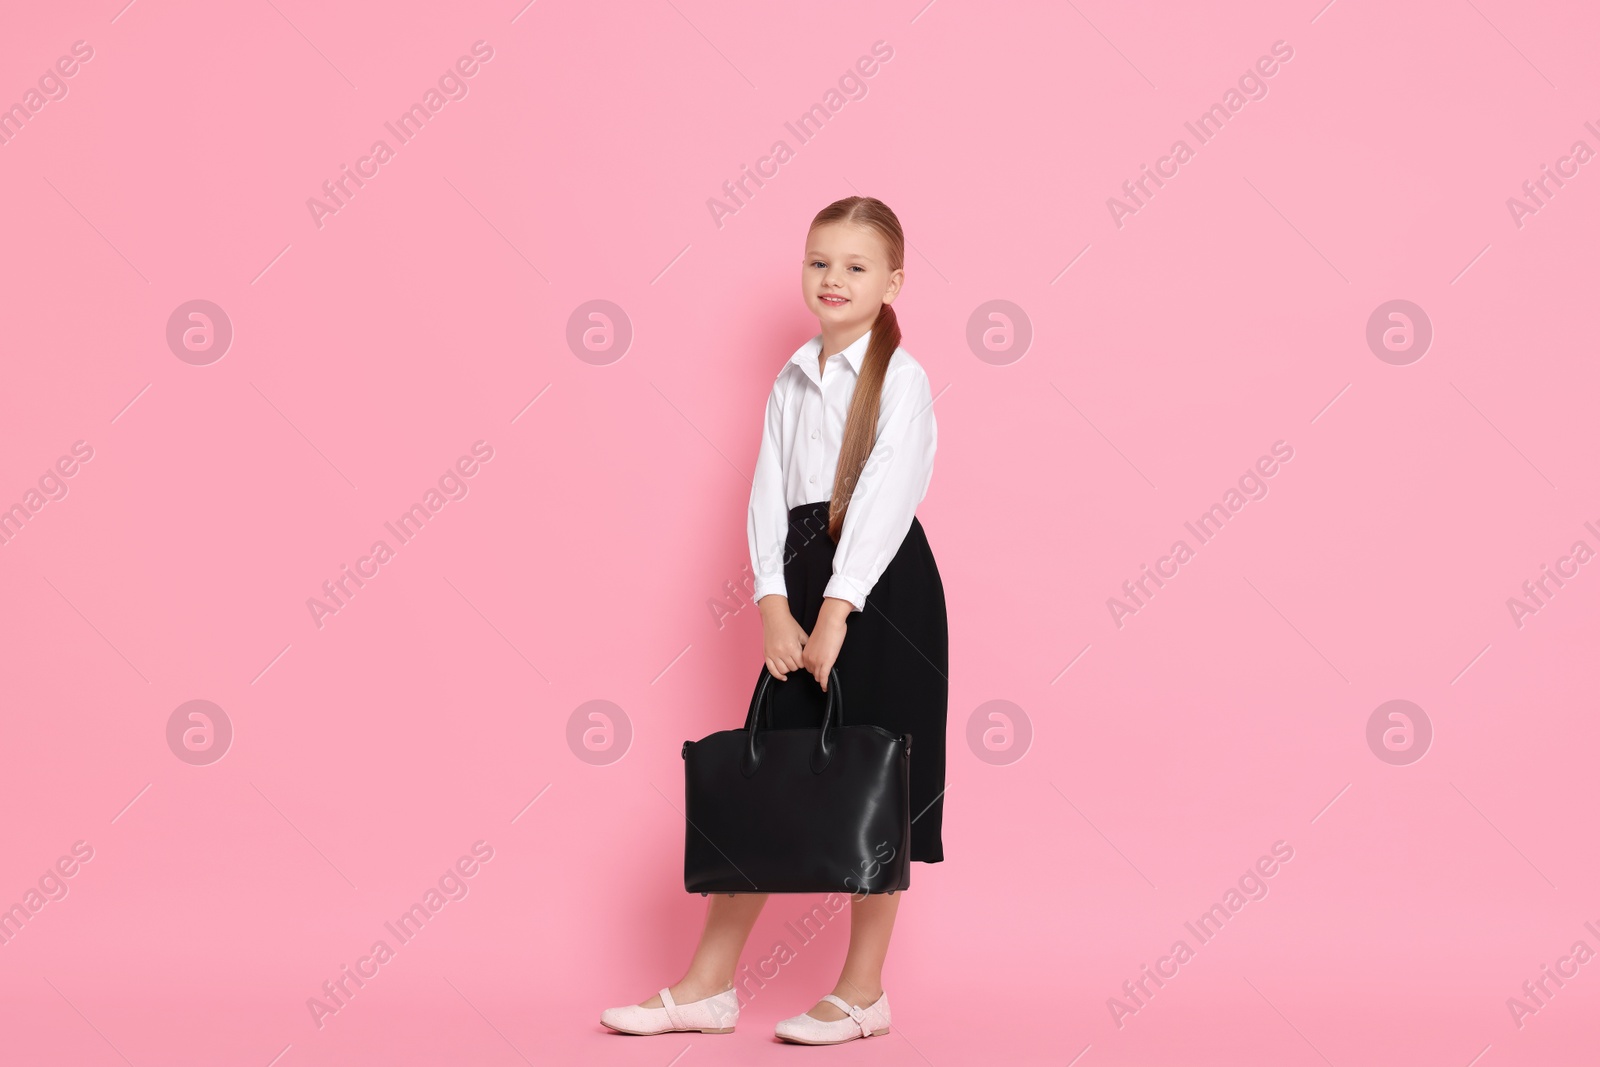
844, 579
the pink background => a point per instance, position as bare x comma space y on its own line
1166, 356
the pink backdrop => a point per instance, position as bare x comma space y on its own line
183, 479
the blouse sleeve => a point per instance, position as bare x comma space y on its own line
768, 526
892, 484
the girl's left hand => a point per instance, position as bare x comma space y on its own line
827, 637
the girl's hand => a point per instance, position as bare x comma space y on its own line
826, 639
782, 636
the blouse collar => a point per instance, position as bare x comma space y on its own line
811, 351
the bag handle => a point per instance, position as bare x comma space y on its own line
751, 759
760, 701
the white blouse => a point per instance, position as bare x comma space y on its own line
800, 453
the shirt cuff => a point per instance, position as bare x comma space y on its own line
844, 589
768, 586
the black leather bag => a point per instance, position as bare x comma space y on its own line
818, 810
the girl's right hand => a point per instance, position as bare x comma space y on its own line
782, 635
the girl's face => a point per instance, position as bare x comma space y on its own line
846, 276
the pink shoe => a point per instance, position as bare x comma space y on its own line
862, 1022
715, 1014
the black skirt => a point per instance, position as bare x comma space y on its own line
893, 666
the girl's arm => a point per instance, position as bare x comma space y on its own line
767, 527
892, 483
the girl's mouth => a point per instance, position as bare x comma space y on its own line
834, 301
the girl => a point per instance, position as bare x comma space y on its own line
844, 578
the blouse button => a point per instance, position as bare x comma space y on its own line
813, 477
814, 434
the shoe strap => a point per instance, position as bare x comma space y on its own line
858, 1014
672, 1008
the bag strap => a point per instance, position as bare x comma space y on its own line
751, 758
761, 700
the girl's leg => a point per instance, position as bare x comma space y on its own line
728, 923
861, 981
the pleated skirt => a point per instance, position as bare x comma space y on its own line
893, 666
